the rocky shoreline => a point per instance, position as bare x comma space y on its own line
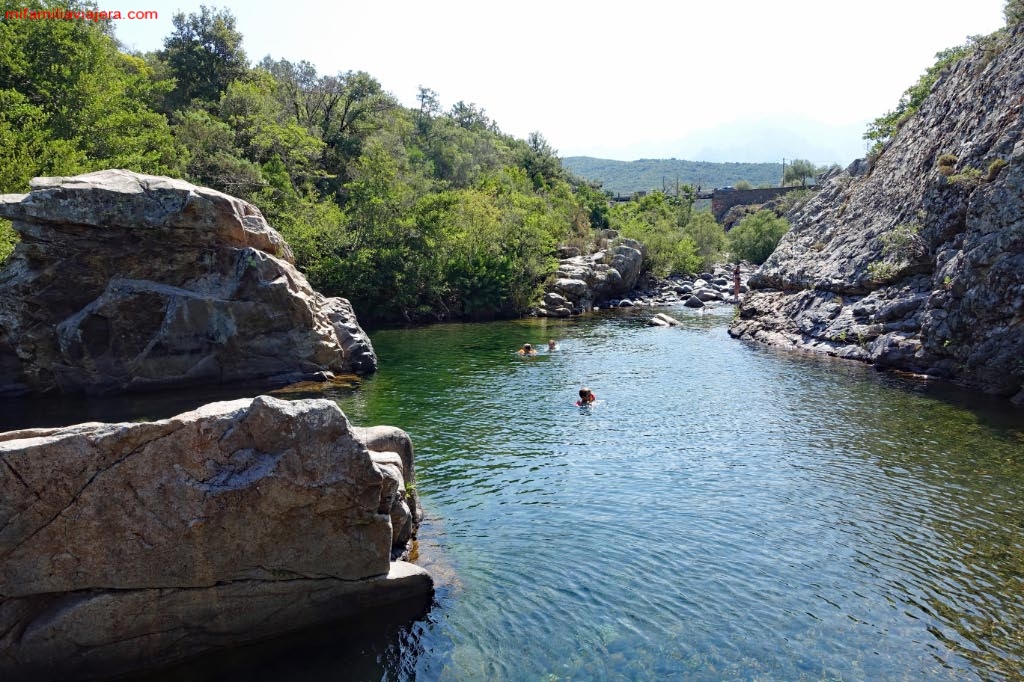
914, 259
706, 289
611, 277
127, 547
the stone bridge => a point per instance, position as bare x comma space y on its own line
724, 199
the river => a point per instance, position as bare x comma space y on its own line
724, 511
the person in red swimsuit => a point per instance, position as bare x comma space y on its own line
586, 397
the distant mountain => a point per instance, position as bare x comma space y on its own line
626, 177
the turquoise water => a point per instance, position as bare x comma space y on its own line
725, 511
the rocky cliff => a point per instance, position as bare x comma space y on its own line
129, 546
125, 281
915, 260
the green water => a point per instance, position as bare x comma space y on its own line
725, 511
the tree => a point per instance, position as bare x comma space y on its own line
204, 53
756, 236
430, 106
1014, 12
743, 184
655, 221
71, 102
708, 237
799, 170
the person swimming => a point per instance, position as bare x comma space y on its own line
552, 345
527, 349
586, 397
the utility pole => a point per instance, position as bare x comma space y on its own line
783, 182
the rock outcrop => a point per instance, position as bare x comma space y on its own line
585, 280
132, 282
916, 261
128, 546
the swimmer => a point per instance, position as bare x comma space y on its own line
586, 397
552, 345
527, 349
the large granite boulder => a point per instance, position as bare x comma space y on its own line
585, 280
127, 546
916, 260
130, 282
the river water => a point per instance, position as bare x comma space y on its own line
725, 511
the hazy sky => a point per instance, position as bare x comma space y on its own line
739, 80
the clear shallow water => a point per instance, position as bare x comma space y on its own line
725, 511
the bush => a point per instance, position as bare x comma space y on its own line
661, 223
946, 164
8, 238
884, 128
708, 237
993, 169
1014, 12
756, 236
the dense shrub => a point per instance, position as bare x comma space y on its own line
8, 238
756, 236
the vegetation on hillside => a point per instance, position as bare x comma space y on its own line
413, 213
627, 177
884, 128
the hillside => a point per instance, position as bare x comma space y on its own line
915, 259
626, 177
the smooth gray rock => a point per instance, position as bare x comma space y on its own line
124, 546
124, 281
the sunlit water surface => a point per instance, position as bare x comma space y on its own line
725, 511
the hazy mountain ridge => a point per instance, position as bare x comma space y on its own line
625, 177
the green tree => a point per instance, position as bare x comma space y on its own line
655, 221
743, 184
1014, 12
214, 160
204, 53
70, 101
799, 170
708, 237
756, 236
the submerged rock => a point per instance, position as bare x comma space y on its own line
125, 281
129, 546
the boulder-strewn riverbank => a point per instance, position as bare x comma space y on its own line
127, 282
916, 261
130, 546
714, 287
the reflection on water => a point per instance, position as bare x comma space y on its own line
726, 511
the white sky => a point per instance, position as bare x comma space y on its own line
621, 80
